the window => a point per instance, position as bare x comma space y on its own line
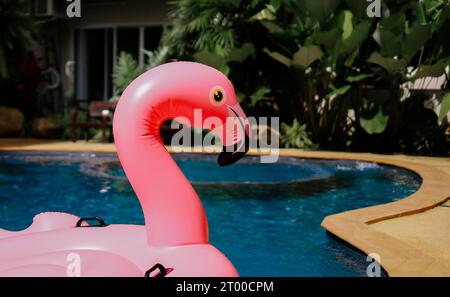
152, 37
96, 52
128, 41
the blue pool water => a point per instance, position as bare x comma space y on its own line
264, 217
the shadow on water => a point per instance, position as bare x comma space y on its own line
267, 191
111, 169
349, 255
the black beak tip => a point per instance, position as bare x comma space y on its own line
230, 156
226, 158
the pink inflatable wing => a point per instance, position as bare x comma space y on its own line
174, 240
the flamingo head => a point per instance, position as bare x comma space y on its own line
210, 94
233, 129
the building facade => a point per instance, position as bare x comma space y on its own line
84, 49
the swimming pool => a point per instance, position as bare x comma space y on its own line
264, 217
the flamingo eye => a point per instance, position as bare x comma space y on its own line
217, 96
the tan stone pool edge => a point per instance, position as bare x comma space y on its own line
398, 257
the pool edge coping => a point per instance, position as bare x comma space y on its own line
397, 257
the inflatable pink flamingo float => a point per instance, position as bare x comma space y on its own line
174, 240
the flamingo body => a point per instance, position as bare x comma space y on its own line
175, 234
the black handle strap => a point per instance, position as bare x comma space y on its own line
163, 271
101, 222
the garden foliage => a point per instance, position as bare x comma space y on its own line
327, 65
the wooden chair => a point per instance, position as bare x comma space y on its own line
99, 115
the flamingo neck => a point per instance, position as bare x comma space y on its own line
173, 213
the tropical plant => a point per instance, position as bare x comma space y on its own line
445, 107
211, 25
17, 29
127, 69
334, 65
296, 136
156, 57
325, 63
20, 74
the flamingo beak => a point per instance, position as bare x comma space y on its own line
241, 141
